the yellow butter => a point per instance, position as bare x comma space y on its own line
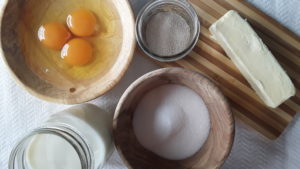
253, 59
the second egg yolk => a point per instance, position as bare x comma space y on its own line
77, 52
82, 22
53, 35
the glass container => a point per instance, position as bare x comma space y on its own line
76, 138
180, 7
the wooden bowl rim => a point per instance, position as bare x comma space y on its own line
70, 101
161, 71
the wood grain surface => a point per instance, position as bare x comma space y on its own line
218, 144
210, 59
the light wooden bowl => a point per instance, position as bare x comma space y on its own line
216, 148
75, 92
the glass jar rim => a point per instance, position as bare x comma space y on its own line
68, 133
155, 4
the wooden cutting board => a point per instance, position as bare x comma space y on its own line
209, 58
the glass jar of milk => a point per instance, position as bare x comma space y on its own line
76, 138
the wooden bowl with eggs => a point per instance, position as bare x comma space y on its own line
218, 144
42, 72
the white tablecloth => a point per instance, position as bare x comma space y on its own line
20, 112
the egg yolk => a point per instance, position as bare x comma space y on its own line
77, 52
82, 22
53, 35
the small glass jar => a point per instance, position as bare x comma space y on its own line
76, 138
181, 8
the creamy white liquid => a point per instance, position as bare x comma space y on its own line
49, 151
172, 121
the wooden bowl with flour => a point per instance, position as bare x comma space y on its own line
19, 20
216, 148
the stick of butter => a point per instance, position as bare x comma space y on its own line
253, 59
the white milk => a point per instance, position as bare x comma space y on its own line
49, 151
172, 121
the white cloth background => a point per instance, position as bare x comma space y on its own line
20, 112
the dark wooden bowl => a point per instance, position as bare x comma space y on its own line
216, 148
